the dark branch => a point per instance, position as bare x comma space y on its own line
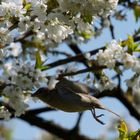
94, 68
39, 110
111, 27
77, 51
118, 94
55, 129
79, 57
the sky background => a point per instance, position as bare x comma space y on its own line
88, 126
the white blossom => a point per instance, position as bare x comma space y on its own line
50, 26
39, 9
18, 104
136, 67
52, 83
13, 49
134, 84
105, 84
11, 9
87, 56
115, 53
128, 60
106, 58
110, 55
5, 37
98, 7
57, 31
4, 113
20, 77
24, 23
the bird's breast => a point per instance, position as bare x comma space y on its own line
67, 104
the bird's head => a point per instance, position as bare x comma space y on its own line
40, 92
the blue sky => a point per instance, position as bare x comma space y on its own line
89, 127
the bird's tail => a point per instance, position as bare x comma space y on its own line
112, 112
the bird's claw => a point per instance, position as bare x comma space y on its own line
100, 115
96, 117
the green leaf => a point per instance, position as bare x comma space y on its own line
28, 6
137, 12
86, 35
38, 60
45, 67
87, 18
122, 128
24, 2
39, 63
129, 42
135, 46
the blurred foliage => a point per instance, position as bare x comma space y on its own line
5, 133
48, 136
137, 12
132, 46
125, 135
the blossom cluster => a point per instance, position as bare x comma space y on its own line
19, 78
51, 20
19, 81
114, 56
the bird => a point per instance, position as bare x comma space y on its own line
71, 96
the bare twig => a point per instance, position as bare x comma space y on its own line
94, 68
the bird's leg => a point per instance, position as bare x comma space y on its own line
99, 115
96, 117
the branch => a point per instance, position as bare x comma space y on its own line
39, 110
111, 27
76, 50
118, 93
79, 57
55, 129
94, 68
59, 52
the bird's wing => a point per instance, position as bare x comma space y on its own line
67, 93
74, 86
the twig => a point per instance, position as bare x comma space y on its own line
39, 110
94, 68
59, 52
111, 27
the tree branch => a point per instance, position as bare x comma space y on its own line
79, 57
94, 68
55, 129
39, 110
118, 94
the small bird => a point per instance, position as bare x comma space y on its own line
71, 96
